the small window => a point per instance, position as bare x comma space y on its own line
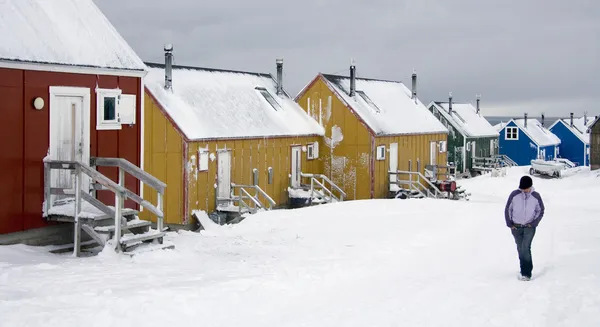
312, 151
368, 100
268, 97
381, 152
203, 160
107, 107
443, 146
511, 133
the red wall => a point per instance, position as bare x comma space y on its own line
24, 141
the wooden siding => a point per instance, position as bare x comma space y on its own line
163, 158
348, 163
595, 147
410, 148
246, 155
24, 135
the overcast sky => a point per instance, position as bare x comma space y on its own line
520, 55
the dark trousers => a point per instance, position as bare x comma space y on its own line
523, 237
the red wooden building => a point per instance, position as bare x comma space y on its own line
70, 88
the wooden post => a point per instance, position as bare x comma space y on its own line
77, 209
118, 211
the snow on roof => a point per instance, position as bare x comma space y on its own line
386, 106
580, 127
537, 133
65, 32
498, 127
465, 118
210, 103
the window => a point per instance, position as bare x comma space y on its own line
381, 152
312, 151
368, 100
107, 107
511, 133
268, 97
203, 160
443, 146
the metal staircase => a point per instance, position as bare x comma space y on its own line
413, 184
319, 190
505, 161
255, 204
118, 226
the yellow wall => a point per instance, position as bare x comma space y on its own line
410, 147
163, 158
347, 163
246, 155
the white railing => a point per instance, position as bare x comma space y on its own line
502, 158
417, 182
255, 202
318, 187
101, 182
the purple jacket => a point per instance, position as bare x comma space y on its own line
524, 208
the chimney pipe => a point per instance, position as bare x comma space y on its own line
168, 67
478, 99
414, 85
450, 103
571, 115
279, 63
543, 116
525, 120
352, 78
585, 118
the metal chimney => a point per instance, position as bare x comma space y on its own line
543, 116
450, 103
279, 63
585, 119
352, 78
414, 85
525, 120
571, 122
478, 99
168, 67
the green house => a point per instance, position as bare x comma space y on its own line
472, 140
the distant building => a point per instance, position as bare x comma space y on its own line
523, 140
574, 139
594, 131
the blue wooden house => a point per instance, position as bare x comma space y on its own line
526, 139
574, 139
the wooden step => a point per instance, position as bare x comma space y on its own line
148, 247
135, 238
130, 225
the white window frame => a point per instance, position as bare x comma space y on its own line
102, 124
506, 133
380, 152
443, 146
203, 159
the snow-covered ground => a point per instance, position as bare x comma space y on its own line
362, 263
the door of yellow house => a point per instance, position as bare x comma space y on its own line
433, 148
296, 168
224, 176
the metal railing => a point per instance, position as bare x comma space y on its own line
417, 182
103, 183
505, 160
485, 163
317, 186
255, 202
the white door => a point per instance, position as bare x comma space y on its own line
433, 149
224, 175
393, 161
69, 134
296, 165
492, 147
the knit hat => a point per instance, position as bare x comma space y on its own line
525, 183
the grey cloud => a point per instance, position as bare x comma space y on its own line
520, 55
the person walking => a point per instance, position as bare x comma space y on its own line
523, 212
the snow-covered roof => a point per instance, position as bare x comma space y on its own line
498, 127
64, 32
465, 118
536, 132
210, 104
386, 106
580, 127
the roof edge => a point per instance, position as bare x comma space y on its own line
218, 70
73, 69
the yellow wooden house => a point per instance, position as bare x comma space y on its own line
215, 135
372, 127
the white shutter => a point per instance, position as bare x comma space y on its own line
127, 109
316, 150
